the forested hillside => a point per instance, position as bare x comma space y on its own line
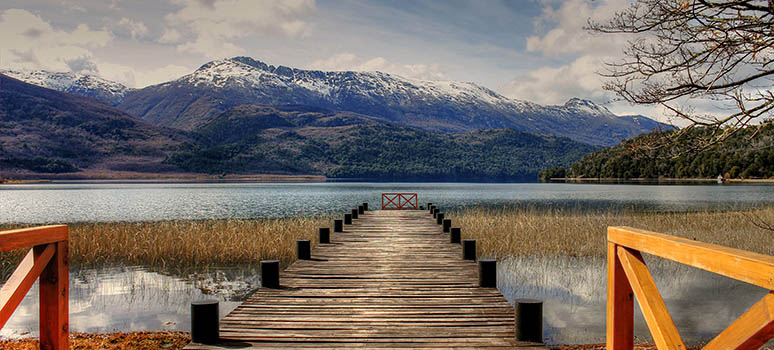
741, 156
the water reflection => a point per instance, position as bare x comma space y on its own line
573, 289
123, 299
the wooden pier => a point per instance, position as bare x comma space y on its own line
392, 279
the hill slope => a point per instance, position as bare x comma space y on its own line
248, 138
105, 91
47, 131
437, 106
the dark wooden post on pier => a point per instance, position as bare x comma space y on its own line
360, 209
454, 235
446, 225
270, 273
469, 249
205, 322
529, 320
354, 213
338, 225
439, 219
435, 212
325, 235
487, 273
365, 206
348, 219
304, 250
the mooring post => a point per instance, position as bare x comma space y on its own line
429, 205
325, 235
446, 225
431, 208
439, 219
487, 273
270, 273
469, 249
455, 235
348, 219
360, 209
205, 322
303, 250
338, 226
365, 206
354, 213
435, 212
529, 320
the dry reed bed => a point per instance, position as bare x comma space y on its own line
504, 232
184, 243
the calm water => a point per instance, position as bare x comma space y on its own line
573, 289
140, 201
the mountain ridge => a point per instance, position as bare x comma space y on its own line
436, 106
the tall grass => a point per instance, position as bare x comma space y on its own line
518, 231
184, 243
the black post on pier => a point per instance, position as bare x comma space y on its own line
325, 235
205, 322
454, 235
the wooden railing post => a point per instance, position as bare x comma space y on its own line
620, 304
54, 296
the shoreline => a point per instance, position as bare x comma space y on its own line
658, 180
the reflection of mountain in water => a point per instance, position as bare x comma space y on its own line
574, 293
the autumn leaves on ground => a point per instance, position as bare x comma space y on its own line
501, 232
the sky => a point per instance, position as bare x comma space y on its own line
533, 50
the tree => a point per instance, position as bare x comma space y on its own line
685, 49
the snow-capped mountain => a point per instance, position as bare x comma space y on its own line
105, 91
439, 106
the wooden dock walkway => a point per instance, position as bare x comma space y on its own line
390, 280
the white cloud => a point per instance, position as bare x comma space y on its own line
170, 36
563, 37
132, 77
215, 25
29, 42
347, 61
135, 29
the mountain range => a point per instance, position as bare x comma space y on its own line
243, 116
435, 106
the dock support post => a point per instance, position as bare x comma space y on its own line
325, 235
429, 205
270, 273
455, 235
354, 213
348, 219
431, 209
338, 226
487, 273
439, 219
360, 209
205, 322
529, 320
435, 212
446, 225
303, 250
469, 249
365, 206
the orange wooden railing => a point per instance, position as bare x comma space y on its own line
628, 276
397, 201
48, 260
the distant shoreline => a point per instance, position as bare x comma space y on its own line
27, 178
658, 180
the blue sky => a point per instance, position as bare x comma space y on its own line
527, 49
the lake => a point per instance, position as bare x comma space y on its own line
146, 201
134, 298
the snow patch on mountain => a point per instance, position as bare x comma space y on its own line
106, 91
